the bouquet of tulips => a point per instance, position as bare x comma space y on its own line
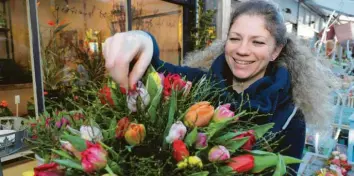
166, 126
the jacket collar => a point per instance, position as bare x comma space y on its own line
264, 95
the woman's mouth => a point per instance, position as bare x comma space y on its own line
243, 62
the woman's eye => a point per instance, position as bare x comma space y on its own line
258, 42
234, 39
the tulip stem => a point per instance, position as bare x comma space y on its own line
109, 170
109, 149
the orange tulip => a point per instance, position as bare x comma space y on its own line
199, 114
135, 134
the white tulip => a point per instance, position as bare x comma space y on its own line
91, 133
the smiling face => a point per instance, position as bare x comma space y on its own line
250, 47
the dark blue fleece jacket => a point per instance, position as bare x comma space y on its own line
269, 95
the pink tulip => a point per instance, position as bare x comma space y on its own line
93, 158
223, 112
177, 131
218, 153
201, 141
69, 147
187, 88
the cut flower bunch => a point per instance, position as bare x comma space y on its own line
166, 125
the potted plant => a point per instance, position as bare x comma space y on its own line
4, 110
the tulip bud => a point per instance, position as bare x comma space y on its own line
201, 141
187, 88
222, 113
133, 96
177, 131
218, 153
251, 140
93, 158
135, 134
91, 133
199, 114
194, 161
242, 163
180, 150
122, 126
69, 147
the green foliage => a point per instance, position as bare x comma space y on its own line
204, 33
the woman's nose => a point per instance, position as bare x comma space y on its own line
243, 49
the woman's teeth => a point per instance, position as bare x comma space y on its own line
243, 62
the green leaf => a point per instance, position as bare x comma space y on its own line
217, 127
235, 144
154, 105
69, 164
262, 162
76, 141
225, 170
61, 27
152, 86
115, 168
291, 160
261, 153
281, 167
191, 137
62, 154
262, 129
171, 114
225, 137
203, 173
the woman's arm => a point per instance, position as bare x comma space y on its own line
192, 74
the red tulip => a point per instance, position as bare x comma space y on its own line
51, 169
93, 158
180, 150
172, 81
122, 127
106, 96
242, 163
251, 140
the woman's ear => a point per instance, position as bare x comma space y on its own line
276, 52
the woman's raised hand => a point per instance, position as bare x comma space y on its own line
121, 50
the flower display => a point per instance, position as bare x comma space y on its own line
163, 125
135, 134
199, 114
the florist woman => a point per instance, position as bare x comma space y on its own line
259, 60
